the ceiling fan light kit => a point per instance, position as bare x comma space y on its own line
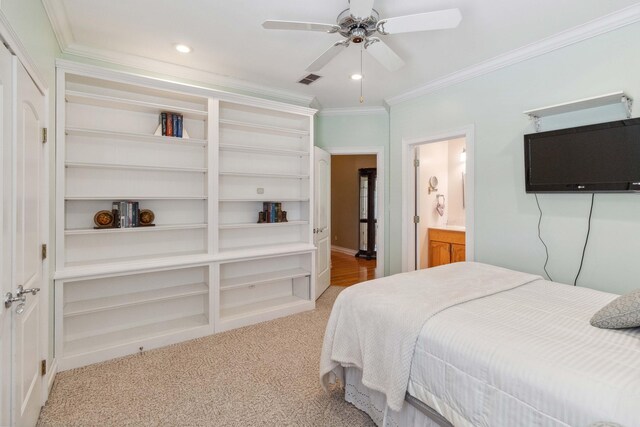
361, 21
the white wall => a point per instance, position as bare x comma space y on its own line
505, 216
353, 130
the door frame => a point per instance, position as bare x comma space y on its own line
379, 153
409, 198
10, 38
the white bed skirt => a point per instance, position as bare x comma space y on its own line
373, 403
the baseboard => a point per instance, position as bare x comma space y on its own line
347, 251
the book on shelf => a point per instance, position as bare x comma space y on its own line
126, 214
272, 212
171, 124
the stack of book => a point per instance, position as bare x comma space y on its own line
272, 212
171, 124
125, 214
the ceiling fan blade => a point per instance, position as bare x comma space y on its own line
384, 55
327, 56
304, 26
360, 8
439, 20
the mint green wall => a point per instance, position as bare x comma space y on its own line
30, 22
358, 131
505, 216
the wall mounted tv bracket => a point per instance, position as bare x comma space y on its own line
582, 104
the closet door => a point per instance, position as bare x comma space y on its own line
28, 187
5, 232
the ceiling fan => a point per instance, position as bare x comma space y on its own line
361, 21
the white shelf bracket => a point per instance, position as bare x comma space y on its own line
628, 105
537, 122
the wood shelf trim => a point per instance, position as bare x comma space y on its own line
258, 307
125, 336
96, 133
261, 150
255, 279
259, 127
133, 167
264, 175
264, 224
131, 104
78, 308
83, 231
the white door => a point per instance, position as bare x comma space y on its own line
28, 188
5, 234
322, 218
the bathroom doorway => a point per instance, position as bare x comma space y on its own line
438, 200
439, 207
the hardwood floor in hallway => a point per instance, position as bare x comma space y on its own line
347, 270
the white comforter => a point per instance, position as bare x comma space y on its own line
374, 326
528, 357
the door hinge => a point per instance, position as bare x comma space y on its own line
44, 251
416, 219
43, 368
44, 135
416, 162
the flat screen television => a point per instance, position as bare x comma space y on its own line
602, 158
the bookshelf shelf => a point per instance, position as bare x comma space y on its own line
143, 229
265, 175
138, 197
262, 150
255, 279
131, 104
252, 309
134, 137
133, 334
132, 167
255, 127
251, 199
78, 308
263, 224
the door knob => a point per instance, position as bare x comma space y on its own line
21, 291
9, 299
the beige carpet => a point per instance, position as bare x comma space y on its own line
261, 375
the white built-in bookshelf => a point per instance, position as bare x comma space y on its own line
206, 265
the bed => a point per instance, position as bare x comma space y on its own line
469, 344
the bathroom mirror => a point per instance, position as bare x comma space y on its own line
433, 184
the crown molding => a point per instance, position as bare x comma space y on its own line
352, 111
143, 79
596, 27
222, 82
68, 45
58, 17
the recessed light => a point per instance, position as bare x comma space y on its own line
356, 76
183, 48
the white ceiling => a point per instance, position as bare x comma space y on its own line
227, 38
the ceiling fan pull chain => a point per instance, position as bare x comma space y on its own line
362, 74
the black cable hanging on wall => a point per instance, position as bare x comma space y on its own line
586, 240
546, 249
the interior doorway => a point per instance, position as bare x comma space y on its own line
439, 206
437, 200
357, 228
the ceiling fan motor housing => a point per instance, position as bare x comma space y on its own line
357, 30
